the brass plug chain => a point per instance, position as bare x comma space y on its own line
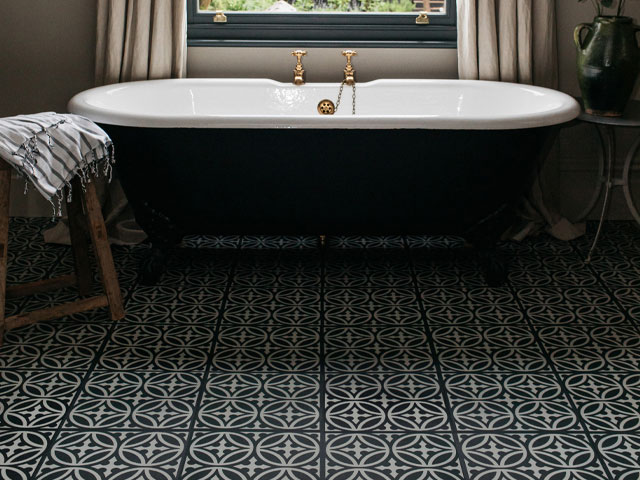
353, 97
353, 100
339, 95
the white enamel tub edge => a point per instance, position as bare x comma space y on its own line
380, 104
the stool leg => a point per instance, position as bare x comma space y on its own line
5, 187
98, 233
79, 243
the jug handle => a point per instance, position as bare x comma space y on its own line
578, 32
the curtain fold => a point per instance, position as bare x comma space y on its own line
516, 41
140, 40
136, 40
508, 40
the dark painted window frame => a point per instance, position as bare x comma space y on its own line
321, 30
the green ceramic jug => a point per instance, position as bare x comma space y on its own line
608, 63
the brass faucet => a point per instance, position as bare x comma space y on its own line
349, 72
298, 72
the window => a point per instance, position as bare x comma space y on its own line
323, 23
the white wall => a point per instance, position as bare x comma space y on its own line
47, 51
47, 58
322, 64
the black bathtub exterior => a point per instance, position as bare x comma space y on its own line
325, 181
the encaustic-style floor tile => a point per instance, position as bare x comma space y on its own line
371, 358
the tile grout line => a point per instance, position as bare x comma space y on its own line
563, 388
83, 382
190, 430
205, 375
436, 363
622, 308
322, 421
283, 430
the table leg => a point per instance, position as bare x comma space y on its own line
625, 179
610, 156
598, 190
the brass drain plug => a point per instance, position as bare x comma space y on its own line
326, 107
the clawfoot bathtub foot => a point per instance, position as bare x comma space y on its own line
153, 266
484, 237
164, 237
494, 268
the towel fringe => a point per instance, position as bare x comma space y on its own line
103, 154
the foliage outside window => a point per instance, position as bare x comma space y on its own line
324, 6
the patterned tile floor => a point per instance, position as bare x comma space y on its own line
266, 358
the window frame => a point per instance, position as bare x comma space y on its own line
251, 29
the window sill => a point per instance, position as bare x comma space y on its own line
323, 43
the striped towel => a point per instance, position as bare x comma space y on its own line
50, 149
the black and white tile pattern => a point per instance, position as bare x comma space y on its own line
377, 358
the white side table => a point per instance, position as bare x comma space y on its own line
606, 130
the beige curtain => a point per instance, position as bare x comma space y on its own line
140, 40
136, 40
515, 41
508, 40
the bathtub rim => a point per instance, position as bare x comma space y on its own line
570, 109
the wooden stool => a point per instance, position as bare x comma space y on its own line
84, 214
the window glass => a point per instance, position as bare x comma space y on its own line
323, 23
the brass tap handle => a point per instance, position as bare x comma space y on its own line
349, 72
298, 72
299, 54
349, 54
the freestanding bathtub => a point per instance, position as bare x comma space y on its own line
239, 156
